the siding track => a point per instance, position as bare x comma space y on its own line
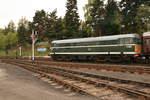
85, 83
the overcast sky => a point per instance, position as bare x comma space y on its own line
16, 9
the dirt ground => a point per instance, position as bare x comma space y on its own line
19, 84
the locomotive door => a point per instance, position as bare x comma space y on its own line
147, 46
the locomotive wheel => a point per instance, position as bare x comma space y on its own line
101, 59
116, 59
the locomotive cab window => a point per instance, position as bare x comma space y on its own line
126, 40
54, 45
137, 41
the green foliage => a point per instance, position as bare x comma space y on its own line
88, 18
39, 24
23, 31
71, 19
2, 41
1, 31
48, 25
143, 19
10, 27
87, 8
85, 31
59, 29
129, 10
112, 18
8, 41
95, 16
11, 40
55, 27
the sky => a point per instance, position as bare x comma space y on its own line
16, 9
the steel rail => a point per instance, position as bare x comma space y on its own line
139, 70
123, 89
93, 75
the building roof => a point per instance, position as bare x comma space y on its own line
102, 38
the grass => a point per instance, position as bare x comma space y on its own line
27, 50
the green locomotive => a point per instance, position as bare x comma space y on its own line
116, 47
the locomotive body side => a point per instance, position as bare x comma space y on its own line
107, 47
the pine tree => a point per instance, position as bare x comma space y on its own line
88, 19
39, 24
112, 18
51, 32
72, 19
55, 26
95, 16
129, 10
87, 10
143, 19
59, 27
86, 30
11, 28
23, 31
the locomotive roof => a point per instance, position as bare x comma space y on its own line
146, 34
102, 38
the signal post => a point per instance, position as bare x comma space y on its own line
34, 39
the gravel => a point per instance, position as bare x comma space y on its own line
19, 84
120, 75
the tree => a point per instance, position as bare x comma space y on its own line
10, 27
55, 26
129, 10
59, 27
23, 31
112, 18
88, 19
87, 9
2, 41
39, 24
1, 31
85, 30
71, 19
12, 40
143, 19
95, 16
51, 29
9, 41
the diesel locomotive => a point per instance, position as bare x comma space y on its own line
107, 48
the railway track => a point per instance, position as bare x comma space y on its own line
86, 83
132, 68
124, 68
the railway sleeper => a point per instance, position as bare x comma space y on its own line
137, 94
